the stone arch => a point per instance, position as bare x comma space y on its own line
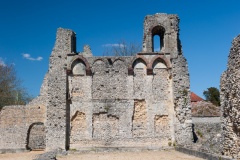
159, 64
139, 67
80, 59
161, 58
119, 65
139, 63
100, 59
118, 59
160, 81
98, 66
160, 32
78, 67
36, 136
133, 63
140, 57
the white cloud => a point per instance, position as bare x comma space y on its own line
28, 57
2, 62
113, 45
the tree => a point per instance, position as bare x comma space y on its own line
212, 94
11, 90
122, 49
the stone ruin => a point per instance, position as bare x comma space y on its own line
230, 101
86, 102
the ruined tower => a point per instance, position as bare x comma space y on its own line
166, 27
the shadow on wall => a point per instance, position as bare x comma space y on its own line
195, 138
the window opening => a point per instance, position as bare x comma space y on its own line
156, 43
158, 38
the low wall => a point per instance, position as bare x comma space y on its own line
15, 122
201, 154
207, 134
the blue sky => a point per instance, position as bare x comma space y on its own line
28, 30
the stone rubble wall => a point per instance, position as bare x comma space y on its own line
229, 94
166, 26
56, 125
121, 110
182, 104
119, 101
15, 122
36, 137
206, 127
207, 134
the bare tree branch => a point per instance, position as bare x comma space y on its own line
121, 49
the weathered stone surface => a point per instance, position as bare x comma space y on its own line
36, 137
139, 119
56, 120
15, 122
182, 104
207, 134
229, 94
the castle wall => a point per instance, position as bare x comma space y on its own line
229, 95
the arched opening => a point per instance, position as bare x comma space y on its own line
159, 64
158, 38
156, 43
159, 67
36, 136
139, 67
98, 67
78, 68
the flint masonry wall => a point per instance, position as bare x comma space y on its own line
17, 123
57, 107
230, 83
118, 109
15, 126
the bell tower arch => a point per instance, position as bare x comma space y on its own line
165, 27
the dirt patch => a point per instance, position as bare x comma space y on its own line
151, 155
20, 156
